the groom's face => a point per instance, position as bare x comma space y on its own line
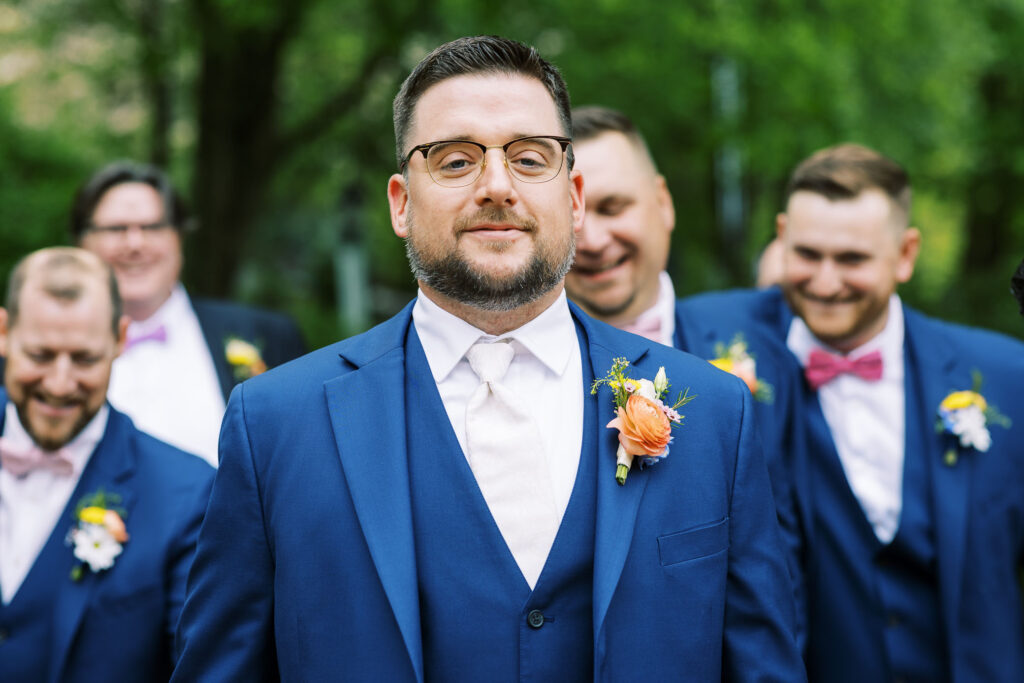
498, 242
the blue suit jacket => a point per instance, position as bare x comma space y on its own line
118, 624
275, 334
306, 568
978, 499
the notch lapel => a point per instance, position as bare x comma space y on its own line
110, 468
617, 506
371, 441
936, 369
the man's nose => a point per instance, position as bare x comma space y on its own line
595, 235
827, 280
59, 379
495, 184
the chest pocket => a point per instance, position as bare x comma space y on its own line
693, 544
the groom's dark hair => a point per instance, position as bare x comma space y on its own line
485, 55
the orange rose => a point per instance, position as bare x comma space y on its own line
115, 525
643, 427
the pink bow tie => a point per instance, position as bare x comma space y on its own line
647, 325
21, 461
823, 367
158, 334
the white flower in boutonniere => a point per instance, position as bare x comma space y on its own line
644, 421
244, 357
99, 533
966, 415
736, 360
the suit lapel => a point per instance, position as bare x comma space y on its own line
110, 468
617, 506
936, 370
214, 333
371, 442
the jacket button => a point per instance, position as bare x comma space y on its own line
535, 618
4, 633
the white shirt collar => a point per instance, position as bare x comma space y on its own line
667, 308
79, 449
801, 341
177, 304
446, 338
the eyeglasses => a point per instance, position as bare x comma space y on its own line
456, 163
115, 231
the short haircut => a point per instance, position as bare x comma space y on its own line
591, 121
64, 272
117, 173
478, 55
844, 171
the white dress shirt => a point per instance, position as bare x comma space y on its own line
170, 389
547, 372
867, 420
30, 506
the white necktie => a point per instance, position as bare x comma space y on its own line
507, 458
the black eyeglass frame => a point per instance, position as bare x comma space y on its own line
563, 141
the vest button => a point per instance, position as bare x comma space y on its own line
4, 633
535, 618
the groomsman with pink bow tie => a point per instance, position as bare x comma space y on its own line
98, 521
909, 483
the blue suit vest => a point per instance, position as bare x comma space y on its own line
492, 627
878, 600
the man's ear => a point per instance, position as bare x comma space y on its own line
910, 247
122, 333
3, 332
398, 202
780, 224
578, 200
665, 205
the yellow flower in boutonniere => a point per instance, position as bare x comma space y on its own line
736, 360
966, 415
244, 358
99, 533
644, 421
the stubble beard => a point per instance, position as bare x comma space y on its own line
454, 277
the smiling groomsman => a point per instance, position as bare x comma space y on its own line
98, 521
437, 499
183, 355
911, 488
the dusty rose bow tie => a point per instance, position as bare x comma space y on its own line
647, 325
823, 367
158, 334
21, 461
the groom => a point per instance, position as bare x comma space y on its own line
435, 499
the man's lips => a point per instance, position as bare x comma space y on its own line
590, 269
55, 408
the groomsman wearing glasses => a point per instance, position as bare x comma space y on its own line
183, 355
437, 499
910, 487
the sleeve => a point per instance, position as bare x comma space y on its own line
226, 629
759, 642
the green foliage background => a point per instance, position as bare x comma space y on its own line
300, 93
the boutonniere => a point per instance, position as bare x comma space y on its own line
244, 357
99, 533
644, 421
736, 360
967, 415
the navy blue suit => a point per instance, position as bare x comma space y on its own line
275, 334
358, 545
945, 595
117, 624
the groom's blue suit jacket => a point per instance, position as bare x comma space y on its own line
307, 570
117, 624
977, 497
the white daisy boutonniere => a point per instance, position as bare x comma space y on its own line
644, 421
99, 533
736, 360
244, 357
966, 415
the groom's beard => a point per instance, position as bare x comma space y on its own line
452, 275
